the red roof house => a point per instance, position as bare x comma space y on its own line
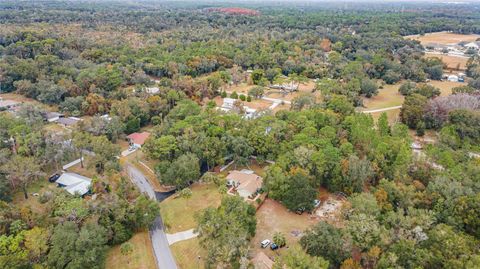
138, 139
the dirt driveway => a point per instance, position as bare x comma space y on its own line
273, 217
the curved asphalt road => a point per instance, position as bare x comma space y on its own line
160, 245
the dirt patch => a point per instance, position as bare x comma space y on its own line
444, 38
273, 217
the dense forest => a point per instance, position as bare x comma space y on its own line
87, 59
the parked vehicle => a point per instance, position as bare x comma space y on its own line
316, 203
265, 243
300, 211
273, 246
53, 178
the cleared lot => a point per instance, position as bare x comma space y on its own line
179, 213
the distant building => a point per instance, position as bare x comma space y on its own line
74, 183
152, 90
473, 45
137, 139
67, 122
52, 116
228, 104
8, 104
453, 78
246, 183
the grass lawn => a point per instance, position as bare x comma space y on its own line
186, 254
446, 86
178, 213
392, 115
386, 97
141, 258
32, 202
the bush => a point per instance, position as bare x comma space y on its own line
279, 239
223, 94
249, 98
156, 120
243, 97
234, 95
186, 193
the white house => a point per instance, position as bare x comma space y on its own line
250, 113
453, 78
228, 103
152, 90
472, 45
74, 183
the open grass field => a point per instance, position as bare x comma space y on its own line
452, 62
141, 258
446, 86
386, 97
186, 254
178, 213
22, 99
444, 38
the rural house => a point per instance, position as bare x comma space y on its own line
245, 182
137, 139
74, 183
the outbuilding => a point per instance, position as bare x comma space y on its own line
74, 183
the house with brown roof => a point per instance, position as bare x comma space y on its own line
245, 182
137, 139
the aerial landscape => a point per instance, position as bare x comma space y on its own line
153, 134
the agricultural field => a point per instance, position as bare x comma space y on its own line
444, 38
452, 62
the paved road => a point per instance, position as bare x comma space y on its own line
381, 109
160, 244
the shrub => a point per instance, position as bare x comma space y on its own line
242, 97
234, 95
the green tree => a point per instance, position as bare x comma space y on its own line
224, 232
279, 239
181, 172
295, 258
324, 240
412, 110
21, 171
257, 76
257, 92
